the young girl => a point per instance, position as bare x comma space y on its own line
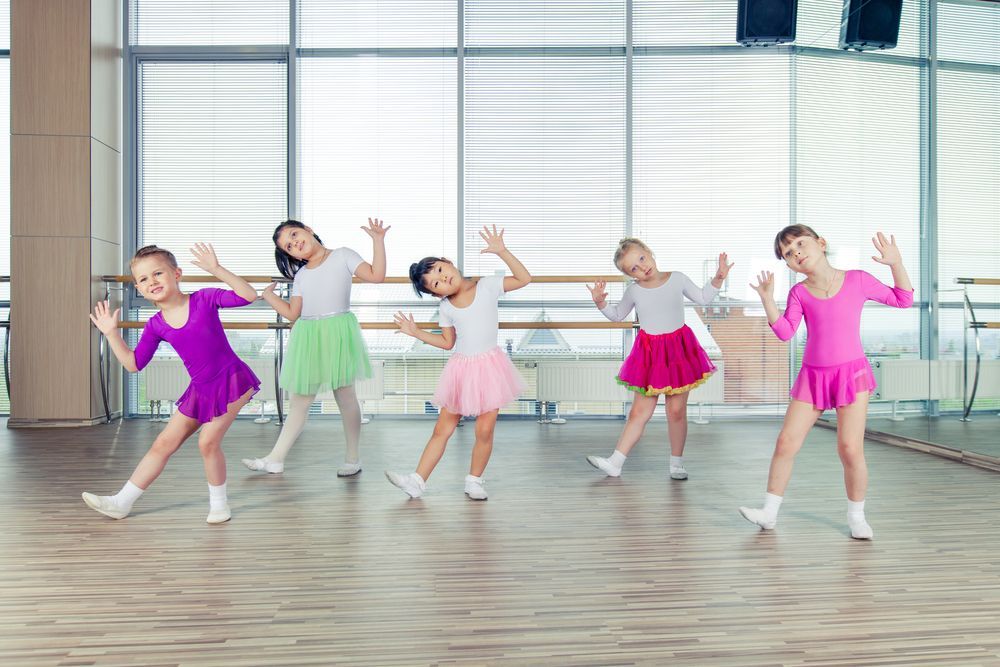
666, 357
478, 379
325, 349
835, 373
221, 383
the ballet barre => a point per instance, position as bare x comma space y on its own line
281, 326
970, 322
390, 280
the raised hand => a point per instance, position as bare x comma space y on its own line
204, 257
104, 319
406, 324
888, 250
494, 240
269, 291
375, 229
599, 291
724, 267
765, 284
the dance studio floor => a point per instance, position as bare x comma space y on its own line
559, 567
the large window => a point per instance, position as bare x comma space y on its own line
440, 116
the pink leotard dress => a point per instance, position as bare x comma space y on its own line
218, 376
834, 366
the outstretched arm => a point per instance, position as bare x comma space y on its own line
289, 310
374, 272
889, 254
107, 322
496, 246
205, 259
444, 340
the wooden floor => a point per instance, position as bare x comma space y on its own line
560, 566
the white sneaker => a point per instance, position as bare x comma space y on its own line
860, 530
219, 514
263, 465
474, 487
758, 517
604, 465
349, 469
678, 472
106, 505
411, 484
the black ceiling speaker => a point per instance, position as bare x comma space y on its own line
765, 22
870, 24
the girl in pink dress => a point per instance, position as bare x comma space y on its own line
221, 383
835, 373
479, 378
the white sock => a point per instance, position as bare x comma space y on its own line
350, 414
771, 505
128, 495
676, 461
617, 459
216, 496
298, 413
420, 480
856, 509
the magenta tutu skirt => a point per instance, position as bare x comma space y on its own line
472, 385
828, 387
670, 363
204, 401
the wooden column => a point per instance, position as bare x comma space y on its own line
65, 202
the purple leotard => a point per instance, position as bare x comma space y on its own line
218, 376
834, 366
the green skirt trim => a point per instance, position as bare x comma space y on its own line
323, 355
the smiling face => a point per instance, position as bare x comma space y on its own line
638, 263
443, 279
803, 253
298, 242
155, 278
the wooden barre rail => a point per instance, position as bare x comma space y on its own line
984, 325
272, 326
395, 280
978, 281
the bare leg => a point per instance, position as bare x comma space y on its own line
210, 441
178, 429
638, 417
485, 425
677, 424
445, 426
851, 446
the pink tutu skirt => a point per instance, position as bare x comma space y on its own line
828, 387
204, 401
670, 363
473, 385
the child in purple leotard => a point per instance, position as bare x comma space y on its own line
221, 383
835, 373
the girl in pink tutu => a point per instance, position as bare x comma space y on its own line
666, 357
479, 378
221, 383
835, 373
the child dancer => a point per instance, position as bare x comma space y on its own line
835, 373
221, 383
479, 378
325, 349
666, 357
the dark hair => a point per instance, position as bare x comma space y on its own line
420, 269
288, 265
791, 232
152, 251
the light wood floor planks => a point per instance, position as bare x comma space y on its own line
559, 567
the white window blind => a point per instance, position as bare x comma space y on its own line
208, 22
684, 22
373, 24
858, 172
550, 23
969, 32
213, 158
711, 174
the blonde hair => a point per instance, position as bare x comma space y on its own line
624, 246
152, 251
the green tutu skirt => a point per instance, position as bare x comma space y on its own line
323, 355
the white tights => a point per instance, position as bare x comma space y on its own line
298, 413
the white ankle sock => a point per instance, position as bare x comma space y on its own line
771, 505
217, 496
676, 461
617, 459
857, 508
128, 495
